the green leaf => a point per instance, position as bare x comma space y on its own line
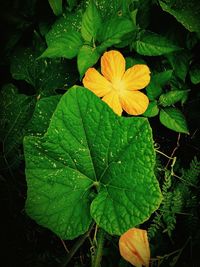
43, 112
172, 97
66, 45
56, 6
152, 44
144, 12
180, 63
72, 3
113, 31
87, 57
195, 74
91, 22
60, 32
112, 8
70, 21
91, 163
157, 82
133, 15
173, 119
152, 110
191, 40
185, 12
16, 110
44, 75
163, 78
130, 62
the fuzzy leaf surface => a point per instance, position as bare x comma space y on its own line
91, 164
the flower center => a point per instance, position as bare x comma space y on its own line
118, 85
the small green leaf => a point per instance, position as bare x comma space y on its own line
173, 119
152, 110
162, 78
133, 15
153, 90
87, 57
91, 164
66, 45
157, 82
180, 63
91, 22
186, 12
56, 6
152, 44
114, 30
195, 74
172, 97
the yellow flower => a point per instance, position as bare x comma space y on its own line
134, 247
117, 87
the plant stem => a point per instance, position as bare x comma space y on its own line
76, 246
96, 261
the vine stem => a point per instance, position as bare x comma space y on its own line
96, 261
76, 246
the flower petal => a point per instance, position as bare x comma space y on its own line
112, 99
136, 77
134, 247
96, 83
113, 66
134, 102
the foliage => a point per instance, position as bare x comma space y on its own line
180, 197
93, 164
47, 46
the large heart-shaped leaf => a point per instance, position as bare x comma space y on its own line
91, 163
